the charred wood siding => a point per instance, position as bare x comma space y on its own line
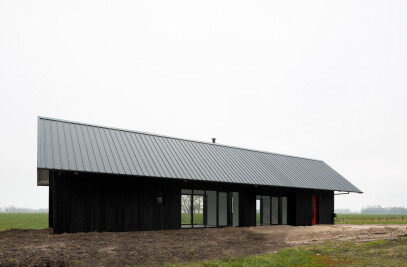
303, 208
100, 202
326, 208
50, 200
247, 207
291, 213
87, 202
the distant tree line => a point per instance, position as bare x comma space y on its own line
12, 209
377, 209
344, 211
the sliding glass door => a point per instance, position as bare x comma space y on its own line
271, 210
211, 209
186, 210
201, 208
198, 208
274, 210
223, 209
283, 210
266, 210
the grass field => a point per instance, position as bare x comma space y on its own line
186, 218
40, 220
23, 220
376, 253
370, 219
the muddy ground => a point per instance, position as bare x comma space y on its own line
41, 248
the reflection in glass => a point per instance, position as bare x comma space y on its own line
198, 210
274, 210
186, 209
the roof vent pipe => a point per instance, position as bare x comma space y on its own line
213, 140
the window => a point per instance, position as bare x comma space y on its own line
283, 210
274, 210
186, 218
223, 209
211, 209
198, 211
201, 208
271, 210
266, 210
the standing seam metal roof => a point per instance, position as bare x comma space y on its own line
74, 146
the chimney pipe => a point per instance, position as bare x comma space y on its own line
213, 140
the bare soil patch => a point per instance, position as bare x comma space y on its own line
41, 248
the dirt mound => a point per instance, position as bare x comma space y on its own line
299, 235
41, 248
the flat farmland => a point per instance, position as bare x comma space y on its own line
40, 220
23, 220
371, 219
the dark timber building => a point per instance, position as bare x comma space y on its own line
104, 179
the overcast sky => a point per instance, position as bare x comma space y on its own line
318, 79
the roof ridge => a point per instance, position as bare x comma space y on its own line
166, 136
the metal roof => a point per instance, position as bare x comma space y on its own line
74, 146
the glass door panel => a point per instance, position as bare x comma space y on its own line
198, 211
266, 210
223, 209
186, 211
235, 208
274, 210
211, 208
284, 210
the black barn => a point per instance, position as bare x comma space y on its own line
105, 179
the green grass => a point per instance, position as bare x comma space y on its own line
342, 253
186, 218
370, 219
23, 220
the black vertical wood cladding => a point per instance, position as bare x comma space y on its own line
88, 202
304, 212
291, 206
303, 207
50, 199
97, 202
326, 208
247, 207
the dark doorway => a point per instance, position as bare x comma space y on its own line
314, 210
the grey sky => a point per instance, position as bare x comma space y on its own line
319, 79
